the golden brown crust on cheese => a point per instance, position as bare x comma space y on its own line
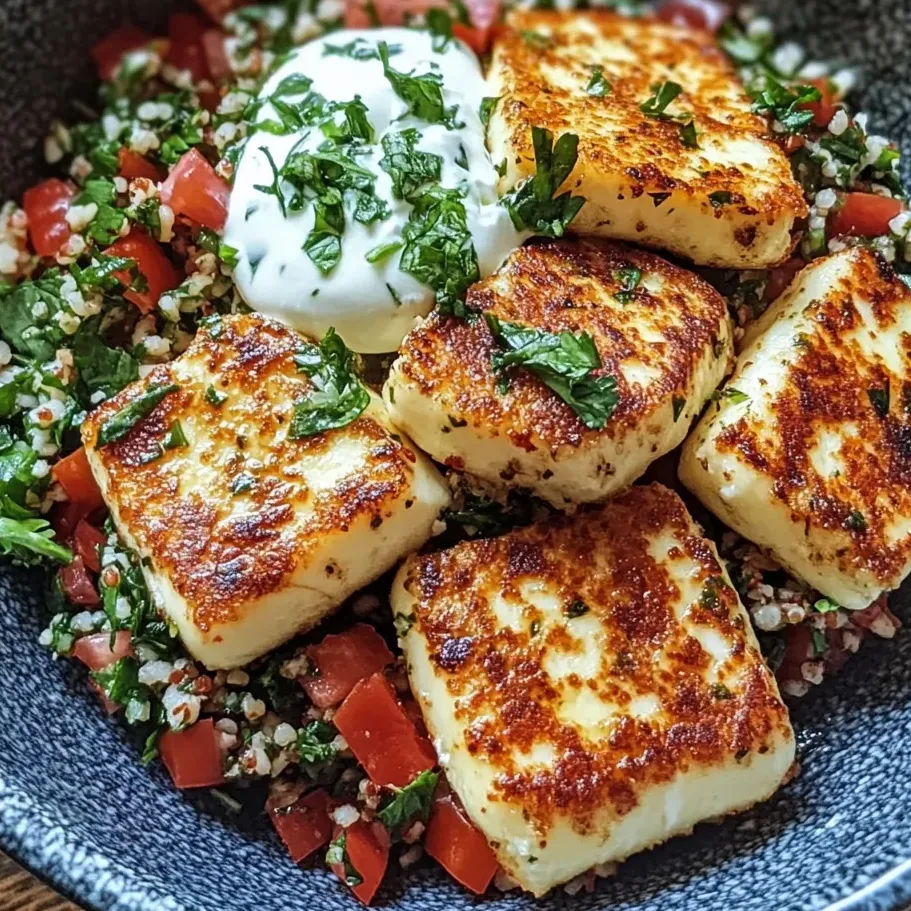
543, 84
508, 703
567, 285
221, 547
832, 382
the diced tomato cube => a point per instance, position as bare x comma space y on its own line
96, 653
458, 846
368, 856
194, 189
341, 660
798, 648
159, 272
87, 543
381, 735
824, 109
213, 43
305, 825
133, 165
46, 206
77, 584
73, 474
705, 14
193, 757
864, 215
185, 49
109, 52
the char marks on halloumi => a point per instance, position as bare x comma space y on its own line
732, 202
251, 536
808, 453
592, 685
668, 343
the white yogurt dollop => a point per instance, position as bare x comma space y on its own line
371, 305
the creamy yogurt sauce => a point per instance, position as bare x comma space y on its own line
372, 305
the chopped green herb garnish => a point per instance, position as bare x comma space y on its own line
314, 747
679, 403
879, 399
535, 39
663, 94
337, 855
688, 135
597, 84
411, 803
423, 94
27, 541
214, 397
382, 252
576, 608
735, 396
488, 106
786, 104
720, 198
120, 424
409, 168
825, 606
629, 278
856, 521
403, 623
175, 437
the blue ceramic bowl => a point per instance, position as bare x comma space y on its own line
77, 808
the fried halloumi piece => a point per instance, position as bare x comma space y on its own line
667, 343
591, 684
250, 536
729, 201
808, 450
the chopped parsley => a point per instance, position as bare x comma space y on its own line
337, 856
175, 437
629, 278
423, 94
28, 541
214, 397
409, 804
825, 606
409, 168
358, 49
403, 623
785, 104
597, 84
679, 403
532, 205
314, 747
537, 40
879, 399
688, 135
336, 397
576, 608
735, 396
488, 106
663, 93
720, 198
122, 422
563, 361
856, 521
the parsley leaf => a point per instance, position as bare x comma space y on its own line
856, 521
629, 278
423, 94
735, 396
825, 606
532, 205
27, 541
537, 40
439, 251
488, 106
274, 188
105, 227
879, 399
563, 362
784, 103
27, 333
101, 369
720, 198
120, 424
314, 748
337, 396
679, 403
688, 135
354, 125
409, 803
598, 85
337, 855
358, 49
175, 438
663, 93
409, 168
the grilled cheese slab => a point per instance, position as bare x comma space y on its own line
250, 536
667, 342
731, 201
592, 685
808, 450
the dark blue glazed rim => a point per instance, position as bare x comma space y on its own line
77, 808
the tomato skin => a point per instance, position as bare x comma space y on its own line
193, 757
797, 650
73, 474
95, 651
381, 735
87, 541
78, 585
782, 276
824, 109
342, 660
45, 206
459, 848
150, 258
368, 855
705, 14
194, 189
864, 215
108, 52
213, 43
217, 9
306, 825
133, 165
185, 50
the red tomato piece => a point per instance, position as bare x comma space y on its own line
217, 9
799, 648
864, 215
185, 50
158, 271
193, 757
95, 651
381, 735
133, 165
87, 541
367, 855
343, 659
304, 826
705, 14
73, 474
46, 205
77, 584
459, 848
781, 277
213, 43
108, 52
824, 109
194, 189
